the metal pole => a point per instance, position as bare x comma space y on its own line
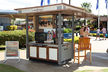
107, 15
27, 40
59, 38
69, 2
84, 21
73, 36
61, 1
98, 18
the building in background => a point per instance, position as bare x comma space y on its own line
5, 21
103, 22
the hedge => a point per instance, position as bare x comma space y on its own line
12, 27
76, 39
67, 30
94, 34
20, 35
17, 35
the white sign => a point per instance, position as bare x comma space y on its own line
41, 9
49, 8
1, 28
12, 48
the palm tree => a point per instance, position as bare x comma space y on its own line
87, 6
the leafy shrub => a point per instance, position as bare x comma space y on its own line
76, 39
12, 27
67, 30
17, 35
94, 34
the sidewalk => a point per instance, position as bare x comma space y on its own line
99, 61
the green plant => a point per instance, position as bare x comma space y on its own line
17, 35
84, 71
105, 70
76, 39
12, 27
67, 30
87, 6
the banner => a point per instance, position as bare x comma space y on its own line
106, 2
42, 1
97, 5
48, 1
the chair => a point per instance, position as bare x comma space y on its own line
83, 45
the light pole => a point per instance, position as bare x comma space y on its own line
69, 2
107, 15
61, 1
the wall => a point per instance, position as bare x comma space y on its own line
4, 21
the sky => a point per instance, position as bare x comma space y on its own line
13, 4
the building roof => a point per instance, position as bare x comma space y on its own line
103, 18
51, 10
8, 12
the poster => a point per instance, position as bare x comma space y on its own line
50, 33
12, 48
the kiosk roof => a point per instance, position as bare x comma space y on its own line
51, 10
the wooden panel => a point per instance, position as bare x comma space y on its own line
42, 53
52, 54
36, 23
33, 51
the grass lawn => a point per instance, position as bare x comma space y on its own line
103, 70
7, 68
84, 71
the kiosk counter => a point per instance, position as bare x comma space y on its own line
50, 52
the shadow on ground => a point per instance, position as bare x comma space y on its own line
98, 60
40, 66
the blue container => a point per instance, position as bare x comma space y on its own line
67, 35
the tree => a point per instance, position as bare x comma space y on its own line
13, 21
87, 6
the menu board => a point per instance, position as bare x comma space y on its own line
12, 48
45, 22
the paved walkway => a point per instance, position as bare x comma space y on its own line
99, 61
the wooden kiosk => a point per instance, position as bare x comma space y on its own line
60, 51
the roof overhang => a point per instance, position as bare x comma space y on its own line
51, 10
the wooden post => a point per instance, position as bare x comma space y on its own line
36, 23
73, 36
27, 38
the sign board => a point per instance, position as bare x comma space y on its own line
41, 9
49, 8
12, 48
1, 28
